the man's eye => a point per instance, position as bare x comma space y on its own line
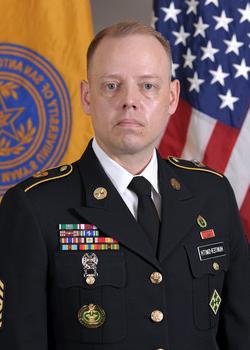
148, 86
111, 86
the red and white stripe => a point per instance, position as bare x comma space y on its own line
191, 134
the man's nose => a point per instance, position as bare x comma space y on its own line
130, 99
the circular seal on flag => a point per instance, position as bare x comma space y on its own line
35, 114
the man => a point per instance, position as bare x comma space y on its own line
89, 260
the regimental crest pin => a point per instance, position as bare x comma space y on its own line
201, 221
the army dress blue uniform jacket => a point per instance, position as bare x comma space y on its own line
204, 295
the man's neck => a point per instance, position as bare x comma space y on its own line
133, 163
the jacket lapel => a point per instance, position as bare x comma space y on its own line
110, 214
180, 209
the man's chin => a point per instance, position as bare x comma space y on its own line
133, 148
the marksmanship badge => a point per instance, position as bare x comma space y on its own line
89, 262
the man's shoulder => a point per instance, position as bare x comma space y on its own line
191, 166
44, 179
196, 176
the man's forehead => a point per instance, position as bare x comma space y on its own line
138, 52
135, 46
128, 39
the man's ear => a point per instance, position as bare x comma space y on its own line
85, 97
174, 96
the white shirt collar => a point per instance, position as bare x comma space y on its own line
119, 176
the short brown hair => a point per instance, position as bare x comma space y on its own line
123, 29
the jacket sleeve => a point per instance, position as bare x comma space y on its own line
234, 329
23, 266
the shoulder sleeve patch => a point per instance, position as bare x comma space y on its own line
191, 165
48, 175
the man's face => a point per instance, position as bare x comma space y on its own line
129, 94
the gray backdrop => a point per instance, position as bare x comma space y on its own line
107, 12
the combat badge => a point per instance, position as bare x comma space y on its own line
1, 303
89, 262
215, 302
91, 316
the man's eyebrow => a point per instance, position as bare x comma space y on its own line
110, 76
149, 76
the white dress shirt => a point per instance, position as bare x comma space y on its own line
121, 178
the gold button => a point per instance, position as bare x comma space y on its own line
41, 173
100, 193
198, 163
216, 266
63, 168
90, 280
156, 277
156, 316
175, 184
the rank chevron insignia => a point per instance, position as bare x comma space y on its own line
1, 303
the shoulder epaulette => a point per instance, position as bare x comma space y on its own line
191, 165
47, 175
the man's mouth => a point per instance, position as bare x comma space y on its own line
129, 123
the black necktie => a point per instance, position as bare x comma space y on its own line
147, 215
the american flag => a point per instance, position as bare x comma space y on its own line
210, 42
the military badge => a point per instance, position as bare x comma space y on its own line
100, 193
89, 262
201, 221
215, 302
175, 184
91, 316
